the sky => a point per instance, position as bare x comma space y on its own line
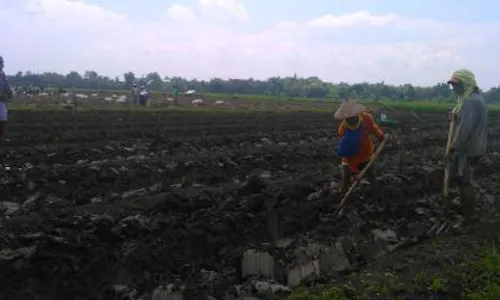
420, 42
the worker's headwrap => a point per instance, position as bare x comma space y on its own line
353, 123
468, 80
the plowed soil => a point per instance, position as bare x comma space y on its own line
122, 202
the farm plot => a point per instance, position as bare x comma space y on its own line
203, 204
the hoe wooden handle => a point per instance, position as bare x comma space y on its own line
358, 179
447, 167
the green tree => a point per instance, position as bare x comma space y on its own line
129, 78
290, 86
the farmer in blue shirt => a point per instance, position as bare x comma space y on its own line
356, 146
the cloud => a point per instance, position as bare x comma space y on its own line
73, 13
180, 13
64, 35
357, 18
233, 7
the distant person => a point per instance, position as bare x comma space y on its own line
5, 96
356, 147
383, 116
176, 96
470, 139
135, 94
143, 96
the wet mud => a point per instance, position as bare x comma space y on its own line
208, 205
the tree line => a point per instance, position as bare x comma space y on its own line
292, 86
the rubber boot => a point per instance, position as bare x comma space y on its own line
3, 131
467, 201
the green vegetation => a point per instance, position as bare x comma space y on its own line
180, 108
274, 88
475, 277
318, 292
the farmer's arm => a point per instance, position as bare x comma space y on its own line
341, 129
7, 88
374, 128
3, 86
378, 132
467, 120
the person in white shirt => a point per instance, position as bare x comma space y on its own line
135, 94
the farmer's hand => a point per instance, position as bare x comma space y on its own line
337, 159
385, 137
356, 177
451, 115
449, 156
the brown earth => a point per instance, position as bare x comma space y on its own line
132, 201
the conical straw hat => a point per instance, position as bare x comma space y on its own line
349, 109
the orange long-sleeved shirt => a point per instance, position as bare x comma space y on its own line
369, 127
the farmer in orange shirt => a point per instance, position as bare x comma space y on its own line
356, 146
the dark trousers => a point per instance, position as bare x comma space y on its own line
143, 100
347, 176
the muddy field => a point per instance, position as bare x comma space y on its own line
207, 205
